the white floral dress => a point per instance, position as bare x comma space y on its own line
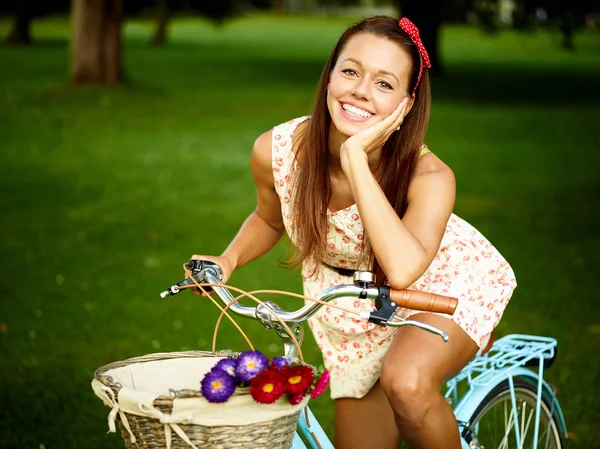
467, 267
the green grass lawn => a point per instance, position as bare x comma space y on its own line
106, 192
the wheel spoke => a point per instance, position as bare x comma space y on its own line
491, 430
526, 428
524, 404
507, 428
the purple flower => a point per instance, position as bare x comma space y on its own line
249, 364
280, 362
217, 386
228, 365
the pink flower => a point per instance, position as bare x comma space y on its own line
320, 385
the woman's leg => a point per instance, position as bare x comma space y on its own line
366, 423
415, 366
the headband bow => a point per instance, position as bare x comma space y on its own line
413, 32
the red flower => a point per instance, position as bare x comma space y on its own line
267, 386
298, 379
296, 399
320, 385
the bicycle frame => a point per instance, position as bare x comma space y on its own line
313, 433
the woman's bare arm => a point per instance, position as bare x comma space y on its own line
263, 227
404, 247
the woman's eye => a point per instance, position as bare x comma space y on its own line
349, 72
385, 85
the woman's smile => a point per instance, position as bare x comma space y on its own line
355, 113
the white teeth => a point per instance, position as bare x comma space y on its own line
356, 111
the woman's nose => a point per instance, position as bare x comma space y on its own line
361, 89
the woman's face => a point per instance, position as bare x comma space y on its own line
370, 79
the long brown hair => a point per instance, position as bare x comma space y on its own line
312, 186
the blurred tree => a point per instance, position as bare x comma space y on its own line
162, 21
427, 16
96, 53
568, 14
23, 12
218, 12
488, 14
20, 31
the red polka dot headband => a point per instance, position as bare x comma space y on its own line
413, 32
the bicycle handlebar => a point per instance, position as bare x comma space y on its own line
386, 299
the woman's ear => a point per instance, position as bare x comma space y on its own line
411, 102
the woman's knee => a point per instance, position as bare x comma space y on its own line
411, 393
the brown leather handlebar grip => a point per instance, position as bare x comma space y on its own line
427, 302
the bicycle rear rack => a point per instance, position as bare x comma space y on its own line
507, 354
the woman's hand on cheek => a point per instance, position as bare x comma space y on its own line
376, 135
373, 137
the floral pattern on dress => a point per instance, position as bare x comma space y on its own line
467, 267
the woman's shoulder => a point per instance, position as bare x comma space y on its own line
273, 142
279, 134
430, 164
261, 152
431, 175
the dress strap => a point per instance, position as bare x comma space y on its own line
424, 150
282, 156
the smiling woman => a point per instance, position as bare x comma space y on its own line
355, 188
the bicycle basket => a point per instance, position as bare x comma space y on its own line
157, 403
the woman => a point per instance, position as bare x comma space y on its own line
354, 187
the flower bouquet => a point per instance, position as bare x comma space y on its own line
268, 380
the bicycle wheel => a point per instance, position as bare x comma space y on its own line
493, 422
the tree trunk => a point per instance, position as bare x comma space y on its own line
96, 55
20, 32
426, 15
568, 28
162, 21
278, 6
113, 57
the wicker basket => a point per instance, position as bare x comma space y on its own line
154, 415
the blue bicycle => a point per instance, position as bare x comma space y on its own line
500, 399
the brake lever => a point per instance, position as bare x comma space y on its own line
197, 267
385, 313
385, 308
